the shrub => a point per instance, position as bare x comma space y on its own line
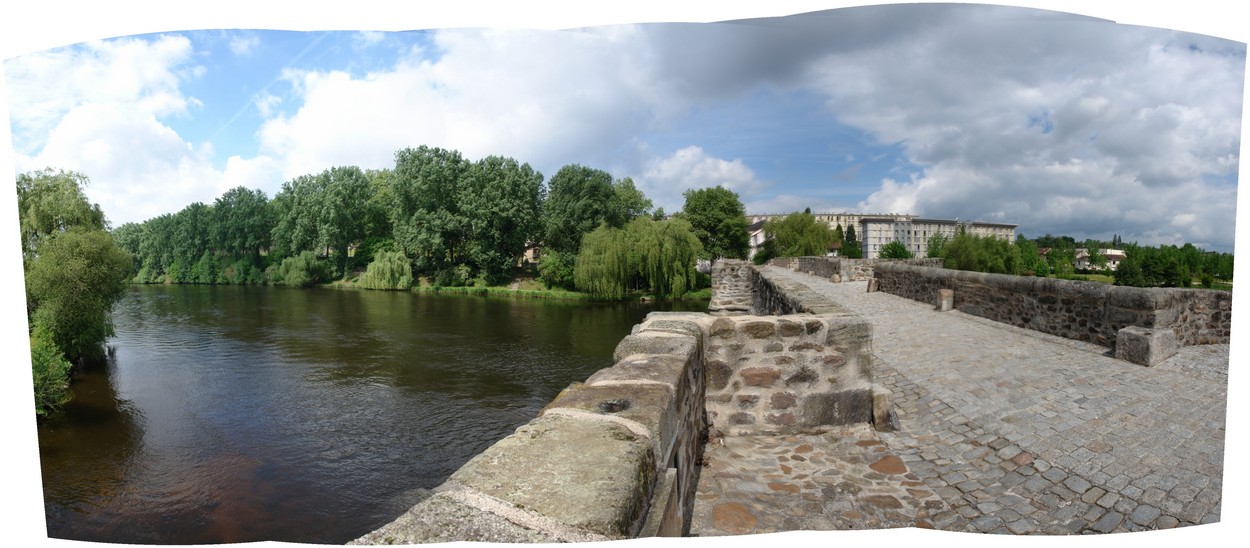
50, 372
556, 270
389, 270
302, 270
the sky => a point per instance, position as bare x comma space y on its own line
1056, 122
1090, 121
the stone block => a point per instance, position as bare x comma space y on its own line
837, 408
651, 406
657, 343
872, 285
442, 519
883, 416
593, 476
662, 368
945, 300
1145, 346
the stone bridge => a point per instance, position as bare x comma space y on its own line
798, 403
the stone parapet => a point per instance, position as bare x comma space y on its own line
841, 269
614, 457
1085, 311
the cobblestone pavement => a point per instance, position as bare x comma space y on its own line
1003, 430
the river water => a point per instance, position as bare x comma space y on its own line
235, 414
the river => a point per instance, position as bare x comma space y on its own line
236, 414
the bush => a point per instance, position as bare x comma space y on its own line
302, 270
456, 276
50, 372
389, 270
556, 270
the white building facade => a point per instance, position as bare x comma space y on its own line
876, 230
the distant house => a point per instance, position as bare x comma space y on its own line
756, 233
1113, 256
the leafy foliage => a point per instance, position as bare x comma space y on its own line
50, 202
72, 284
718, 219
50, 372
646, 254
389, 270
302, 270
798, 235
895, 250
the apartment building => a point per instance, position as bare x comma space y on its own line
875, 230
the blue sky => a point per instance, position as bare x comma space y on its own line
1061, 123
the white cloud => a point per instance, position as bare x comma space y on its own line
243, 44
486, 92
1081, 128
665, 179
98, 108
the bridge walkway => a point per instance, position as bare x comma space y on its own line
1003, 430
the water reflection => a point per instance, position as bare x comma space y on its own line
234, 414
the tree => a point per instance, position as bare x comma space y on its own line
895, 250
50, 202
627, 203
798, 235
936, 245
646, 254
500, 200
74, 270
244, 222
578, 200
718, 219
71, 286
850, 246
429, 225
839, 238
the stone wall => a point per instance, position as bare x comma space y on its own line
778, 374
1084, 311
733, 283
840, 269
611, 458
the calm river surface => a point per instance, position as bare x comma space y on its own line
234, 414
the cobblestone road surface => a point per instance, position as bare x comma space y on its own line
1003, 430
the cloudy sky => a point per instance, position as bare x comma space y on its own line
1060, 123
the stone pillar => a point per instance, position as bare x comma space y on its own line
945, 300
1145, 346
872, 285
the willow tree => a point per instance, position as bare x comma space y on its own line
667, 253
647, 254
604, 267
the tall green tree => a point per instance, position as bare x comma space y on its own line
244, 222
798, 235
71, 285
52, 201
579, 199
74, 271
426, 214
851, 247
719, 220
501, 200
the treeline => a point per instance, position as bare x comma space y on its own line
1142, 266
438, 219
